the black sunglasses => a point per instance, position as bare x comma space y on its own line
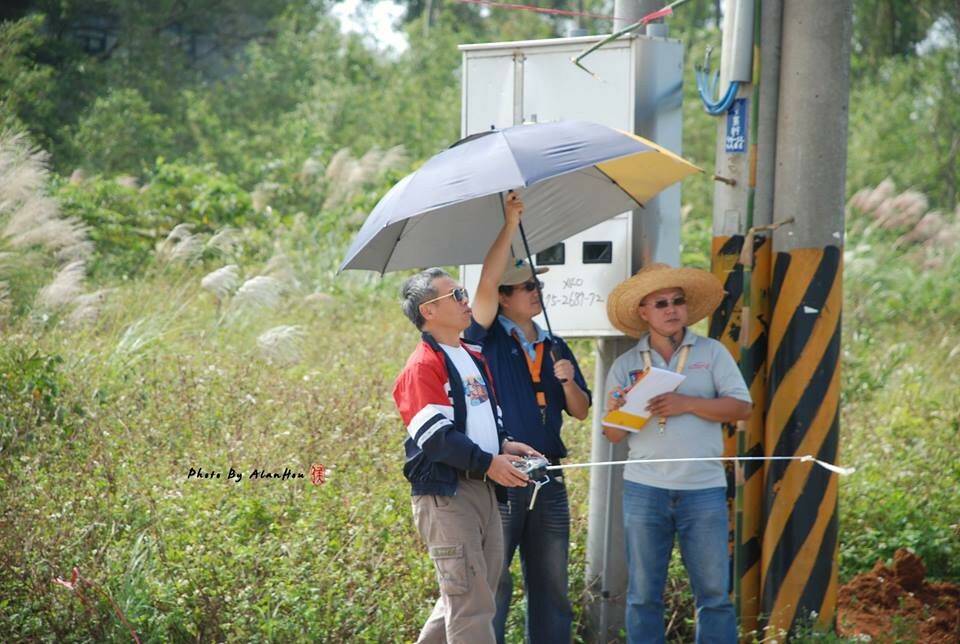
679, 300
528, 286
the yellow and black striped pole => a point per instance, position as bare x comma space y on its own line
742, 330
800, 531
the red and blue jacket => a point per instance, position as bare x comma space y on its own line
429, 396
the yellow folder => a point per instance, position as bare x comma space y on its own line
633, 415
625, 420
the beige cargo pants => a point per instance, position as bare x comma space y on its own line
464, 537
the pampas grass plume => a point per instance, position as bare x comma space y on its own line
280, 268
64, 288
260, 292
926, 228
281, 344
222, 281
87, 308
181, 245
878, 195
224, 240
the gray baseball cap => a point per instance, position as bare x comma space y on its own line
518, 272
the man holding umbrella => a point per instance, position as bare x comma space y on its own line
455, 452
537, 379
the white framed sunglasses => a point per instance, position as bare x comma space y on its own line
459, 294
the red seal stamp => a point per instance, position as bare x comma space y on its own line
318, 474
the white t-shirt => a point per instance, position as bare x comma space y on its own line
481, 424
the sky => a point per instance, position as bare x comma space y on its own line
375, 21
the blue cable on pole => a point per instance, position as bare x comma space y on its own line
707, 88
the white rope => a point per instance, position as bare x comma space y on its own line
843, 471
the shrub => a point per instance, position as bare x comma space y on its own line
31, 387
127, 223
120, 133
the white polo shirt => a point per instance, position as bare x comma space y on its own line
711, 372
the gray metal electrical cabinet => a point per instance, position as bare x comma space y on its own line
636, 86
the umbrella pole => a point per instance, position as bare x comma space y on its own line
543, 305
533, 272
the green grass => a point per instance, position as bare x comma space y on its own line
900, 429
102, 423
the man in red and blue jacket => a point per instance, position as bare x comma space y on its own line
456, 454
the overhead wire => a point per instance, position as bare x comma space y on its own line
535, 9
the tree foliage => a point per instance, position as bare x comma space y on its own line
259, 88
78, 51
906, 125
893, 28
23, 78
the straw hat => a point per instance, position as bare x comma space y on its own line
703, 291
518, 272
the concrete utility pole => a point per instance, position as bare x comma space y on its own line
627, 12
799, 552
606, 554
745, 154
734, 322
771, 21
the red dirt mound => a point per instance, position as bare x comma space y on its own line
899, 605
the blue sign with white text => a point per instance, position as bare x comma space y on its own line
736, 139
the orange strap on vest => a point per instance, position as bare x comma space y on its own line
534, 366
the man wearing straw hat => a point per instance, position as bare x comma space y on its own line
685, 499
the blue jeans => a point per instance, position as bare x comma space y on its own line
651, 518
543, 536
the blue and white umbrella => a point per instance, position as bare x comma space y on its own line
570, 174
